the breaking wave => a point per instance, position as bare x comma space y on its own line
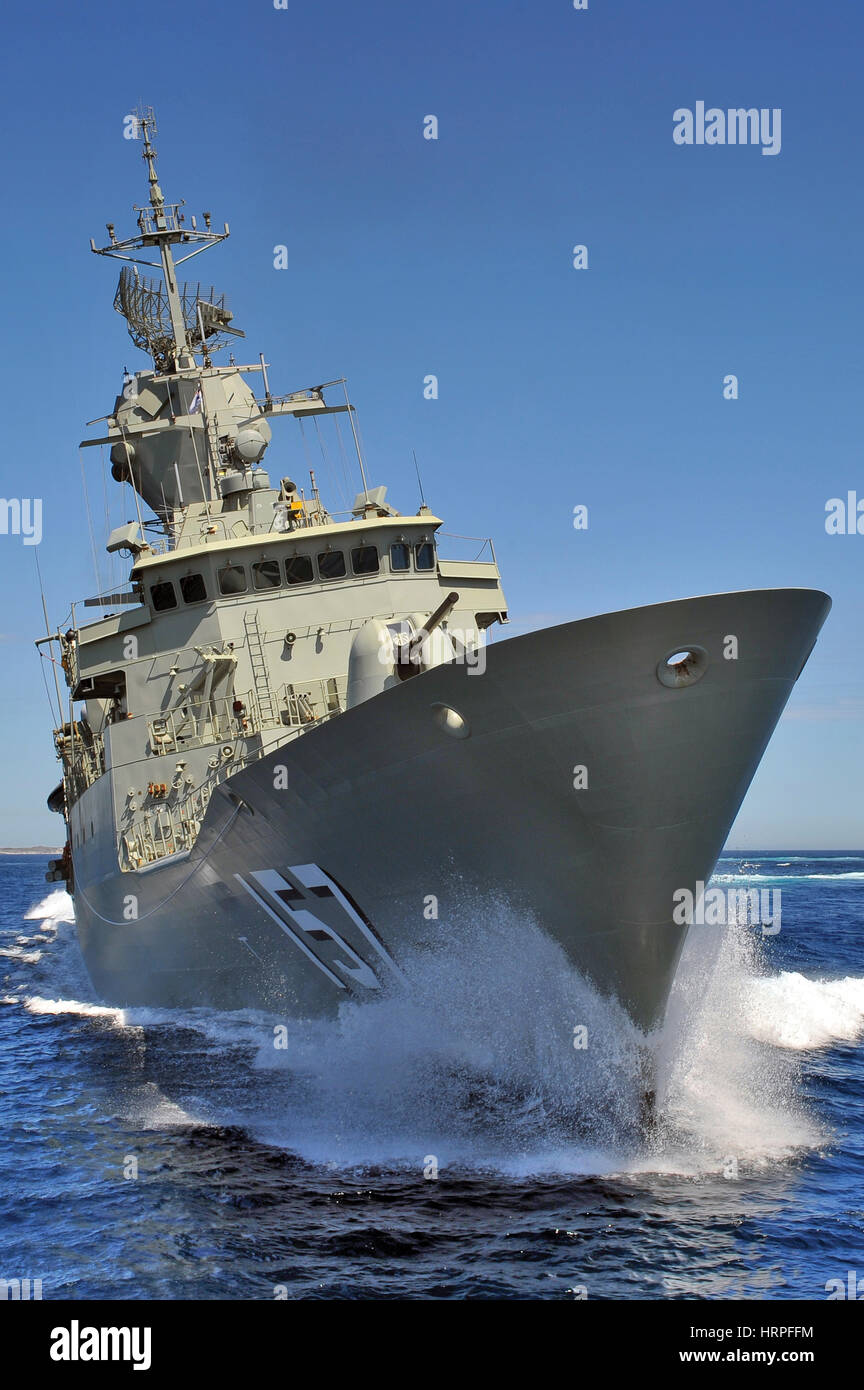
55, 908
791, 1011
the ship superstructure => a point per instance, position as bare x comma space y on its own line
247, 603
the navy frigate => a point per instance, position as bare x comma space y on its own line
291, 733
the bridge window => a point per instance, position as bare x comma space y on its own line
364, 560
232, 580
331, 564
298, 569
267, 574
400, 556
193, 588
424, 556
162, 596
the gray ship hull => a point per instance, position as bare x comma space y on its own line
320, 865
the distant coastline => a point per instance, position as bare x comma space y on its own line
33, 849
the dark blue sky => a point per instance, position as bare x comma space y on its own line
407, 257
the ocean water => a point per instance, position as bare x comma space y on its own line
448, 1141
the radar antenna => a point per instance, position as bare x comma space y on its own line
146, 309
166, 319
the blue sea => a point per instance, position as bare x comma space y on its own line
449, 1141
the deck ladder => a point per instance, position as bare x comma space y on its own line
260, 674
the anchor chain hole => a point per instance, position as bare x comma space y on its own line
682, 666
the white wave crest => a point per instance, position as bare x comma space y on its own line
18, 953
790, 1011
57, 906
35, 1004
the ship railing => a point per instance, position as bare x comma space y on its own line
467, 549
307, 702
82, 753
167, 828
171, 825
220, 528
198, 723
166, 218
201, 722
471, 549
69, 660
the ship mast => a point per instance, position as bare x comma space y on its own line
154, 448
162, 225
146, 124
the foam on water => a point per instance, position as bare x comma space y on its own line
791, 1011
722, 1092
56, 907
472, 1060
37, 1005
745, 877
856, 875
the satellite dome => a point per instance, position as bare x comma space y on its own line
250, 444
